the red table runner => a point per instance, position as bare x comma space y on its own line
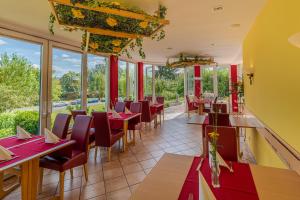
238, 185
26, 148
117, 123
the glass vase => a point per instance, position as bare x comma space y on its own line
215, 172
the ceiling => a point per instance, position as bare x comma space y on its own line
195, 28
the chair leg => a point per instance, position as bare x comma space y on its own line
61, 185
71, 172
140, 132
108, 153
41, 177
96, 150
85, 172
123, 141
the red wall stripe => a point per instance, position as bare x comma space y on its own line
197, 74
140, 72
113, 78
234, 96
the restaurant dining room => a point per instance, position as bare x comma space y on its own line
149, 100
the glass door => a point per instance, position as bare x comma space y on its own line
20, 85
122, 80
223, 83
148, 80
131, 81
207, 75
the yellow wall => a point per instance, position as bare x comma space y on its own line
275, 94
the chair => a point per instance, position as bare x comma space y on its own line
190, 105
105, 136
227, 142
219, 107
147, 115
135, 124
222, 119
61, 125
161, 100
128, 103
79, 154
120, 107
148, 98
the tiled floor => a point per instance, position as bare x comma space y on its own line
118, 178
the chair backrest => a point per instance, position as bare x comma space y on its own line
77, 112
219, 107
148, 98
80, 132
160, 99
222, 119
61, 125
128, 103
146, 114
102, 129
136, 107
120, 106
187, 99
227, 142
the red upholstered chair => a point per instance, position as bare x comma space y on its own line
222, 119
147, 115
219, 107
227, 142
105, 137
120, 107
79, 154
128, 103
61, 125
135, 124
148, 98
77, 112
190, 105
161, 100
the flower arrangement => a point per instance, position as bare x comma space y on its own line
185, 61
110, 22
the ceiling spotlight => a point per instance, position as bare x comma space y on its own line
212, 44
169, 48
235, 25
218, 8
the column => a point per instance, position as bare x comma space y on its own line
140, 81
113, 79
234, 95
197, 77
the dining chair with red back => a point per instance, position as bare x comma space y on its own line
219, 107
161, 100
78, 156
148, 98
135, 123
222, 119
147, 115
77, 112
190, 105
61, 125
120, 107
227, 142
105, 136
128, 103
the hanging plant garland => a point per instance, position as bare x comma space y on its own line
109, 28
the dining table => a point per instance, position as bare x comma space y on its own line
124, 119
27, 153
181, 177
159, 109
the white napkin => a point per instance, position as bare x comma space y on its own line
222, 161
22, 134
115, 114
50, 137
5, 154
127, 111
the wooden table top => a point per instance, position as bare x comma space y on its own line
197, 119
166, 179
244, 121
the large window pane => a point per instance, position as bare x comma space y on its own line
148, 80
223, 82
122, 80
20, 64
207, 81
190, 81
132, 81
96, 92
66, 81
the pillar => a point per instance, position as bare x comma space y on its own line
113, 78
140, 82
234, 95
197, 77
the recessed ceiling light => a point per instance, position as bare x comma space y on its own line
212, 44
235, 25
218, 8
169, 48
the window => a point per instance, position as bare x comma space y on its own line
131, 81
207, 81
148, 80
66, 81
96, 89
20, 75
223, 82
190, 81
122, 80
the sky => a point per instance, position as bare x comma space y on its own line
63, 60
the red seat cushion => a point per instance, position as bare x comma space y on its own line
116, 135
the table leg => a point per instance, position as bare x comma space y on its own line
125, 129
29, 180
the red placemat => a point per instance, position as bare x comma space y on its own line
234, 186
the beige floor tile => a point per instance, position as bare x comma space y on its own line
135, 178
148, 163
113, 173
94, 190
122, 194
72, 194
115, 184
128, 160
136, 167
134, 187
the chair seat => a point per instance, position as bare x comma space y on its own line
116, 134
92, 136
63, 163
136, 126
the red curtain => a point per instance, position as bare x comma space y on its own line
197, 75
140, 72
113, 79
234, 95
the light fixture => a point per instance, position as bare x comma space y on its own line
250, 74
295, 40
235, 25
169, 48
218, 8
